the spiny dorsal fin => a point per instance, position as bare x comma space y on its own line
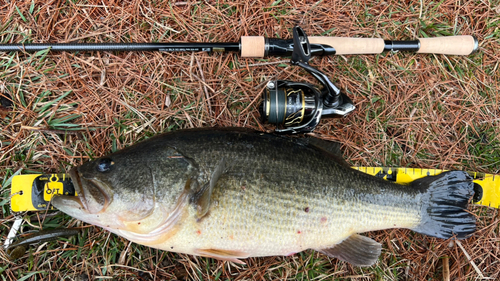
202, 198
329, 146
226, 255
356, 249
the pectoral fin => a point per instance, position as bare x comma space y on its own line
356, 249
203, 197
226, 255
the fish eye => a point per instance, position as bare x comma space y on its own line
104, 165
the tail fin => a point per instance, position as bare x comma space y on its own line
444, 205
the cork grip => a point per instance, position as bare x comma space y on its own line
253, 46
449, 45
351, 46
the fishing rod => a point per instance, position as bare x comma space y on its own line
259, 46
294, 107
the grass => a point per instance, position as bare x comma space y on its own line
412, 110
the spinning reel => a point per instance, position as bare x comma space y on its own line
298, 107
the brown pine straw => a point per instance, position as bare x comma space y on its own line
471, 261
446, 269
412, 110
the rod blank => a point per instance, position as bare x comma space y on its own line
259, 46
120, 47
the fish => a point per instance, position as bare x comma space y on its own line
233, 193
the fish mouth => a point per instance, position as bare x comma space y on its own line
91, 197
68, 202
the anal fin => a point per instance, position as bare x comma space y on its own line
226, 255
357, 250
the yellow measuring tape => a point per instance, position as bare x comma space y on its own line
488, 185
33, 192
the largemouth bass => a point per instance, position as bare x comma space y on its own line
236, 193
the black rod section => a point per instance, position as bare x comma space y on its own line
274, 47
411, 45
109, 47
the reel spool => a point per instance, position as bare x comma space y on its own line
298, 107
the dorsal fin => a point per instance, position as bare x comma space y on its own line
329, 146
203, 197
356, 249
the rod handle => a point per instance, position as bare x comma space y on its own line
462, 45
255, 46
351, 46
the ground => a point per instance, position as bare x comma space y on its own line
412, 110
